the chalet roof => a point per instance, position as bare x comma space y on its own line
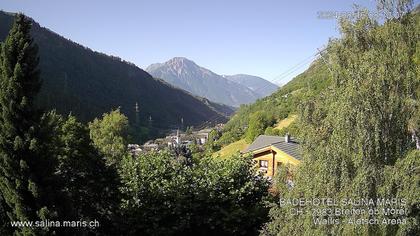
291, 148
262, 141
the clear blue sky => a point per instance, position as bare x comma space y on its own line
258, 37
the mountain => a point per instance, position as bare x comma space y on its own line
255, 83
284, 103
281, 104
185, 74
88, 83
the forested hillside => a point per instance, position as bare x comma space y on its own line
61, 177
261, 116
355, 113
360, 137
87, 84
357, 110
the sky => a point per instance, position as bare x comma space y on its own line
274, 39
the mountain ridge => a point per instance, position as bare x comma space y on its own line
186, 74
86, 83
255, 83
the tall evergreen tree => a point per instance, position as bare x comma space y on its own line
5, 227
23, 171
4, 224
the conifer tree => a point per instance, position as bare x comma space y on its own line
23, 171
5, 228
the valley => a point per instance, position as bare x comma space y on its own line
94, 144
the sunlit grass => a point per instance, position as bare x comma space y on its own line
232, 148
285, 122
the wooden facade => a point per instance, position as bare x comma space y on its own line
274, 157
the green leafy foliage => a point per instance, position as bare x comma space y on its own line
258, 122
211, 144
356, 138
56, 168
164, 196
110, 135
358, 122
278, 106
88, 187
293, 128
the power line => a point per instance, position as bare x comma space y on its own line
280, 77
294, 68
304, 62
214, 118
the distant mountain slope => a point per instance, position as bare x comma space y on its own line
307, 86
281, 104
185, 74
223, 109
255, 83
87, 83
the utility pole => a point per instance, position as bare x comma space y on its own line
137, 114
150, 121
178, 138
182, 123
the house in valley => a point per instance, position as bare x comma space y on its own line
270, 152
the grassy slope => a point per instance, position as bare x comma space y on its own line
232, 148
285, 122
284, 102
281, 105
241, 144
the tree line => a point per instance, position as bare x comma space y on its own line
54, 167
359, 136
359, 127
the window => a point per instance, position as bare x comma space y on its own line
263, 164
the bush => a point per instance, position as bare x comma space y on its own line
163, 196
